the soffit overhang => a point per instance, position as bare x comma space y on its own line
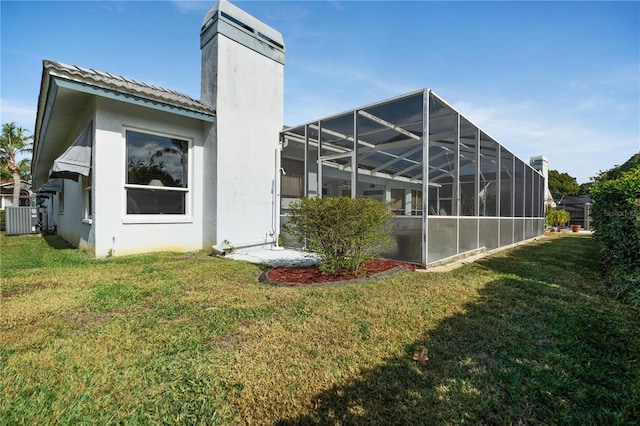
66, 91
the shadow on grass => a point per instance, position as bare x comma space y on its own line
32, 252
58, 243
544, 343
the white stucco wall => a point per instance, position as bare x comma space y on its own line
118, 233
247, 88
6, 201
69, 222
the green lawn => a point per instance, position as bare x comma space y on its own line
526, 336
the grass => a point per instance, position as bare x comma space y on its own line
525, 336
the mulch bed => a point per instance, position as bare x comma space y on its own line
312, 276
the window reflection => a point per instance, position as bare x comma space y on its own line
157, 159
160, 164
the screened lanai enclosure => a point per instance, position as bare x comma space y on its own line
452, 188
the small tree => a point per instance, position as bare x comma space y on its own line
557, 217
561, 184
342, 231
13, 141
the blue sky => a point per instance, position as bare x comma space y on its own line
560, 79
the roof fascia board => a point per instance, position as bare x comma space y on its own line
132, 99
43, 122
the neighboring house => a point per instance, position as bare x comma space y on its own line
579, 208
124, 167
6, 194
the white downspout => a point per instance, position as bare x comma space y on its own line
276, 193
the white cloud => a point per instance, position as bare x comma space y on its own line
192, 6
582, 129
11, 111
290, 12
571, 142
318, 89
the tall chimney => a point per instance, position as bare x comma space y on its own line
541, 164
242, 78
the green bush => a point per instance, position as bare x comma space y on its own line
2, 220
616, 218
626, 285
556, 217
342, 231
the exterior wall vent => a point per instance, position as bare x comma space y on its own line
236, 24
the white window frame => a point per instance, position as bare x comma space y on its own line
187, 217
87, 198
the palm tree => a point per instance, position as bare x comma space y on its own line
12, 142
25, 170
557, 217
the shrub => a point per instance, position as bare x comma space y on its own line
626, 285
2, 220
557, 217
342, 231
616, 218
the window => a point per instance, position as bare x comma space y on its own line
416, 202
292, 178
87, 198
157, 174
61, 198
397, 201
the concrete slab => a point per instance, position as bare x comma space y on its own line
276, 257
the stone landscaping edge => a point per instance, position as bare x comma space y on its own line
263, 278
